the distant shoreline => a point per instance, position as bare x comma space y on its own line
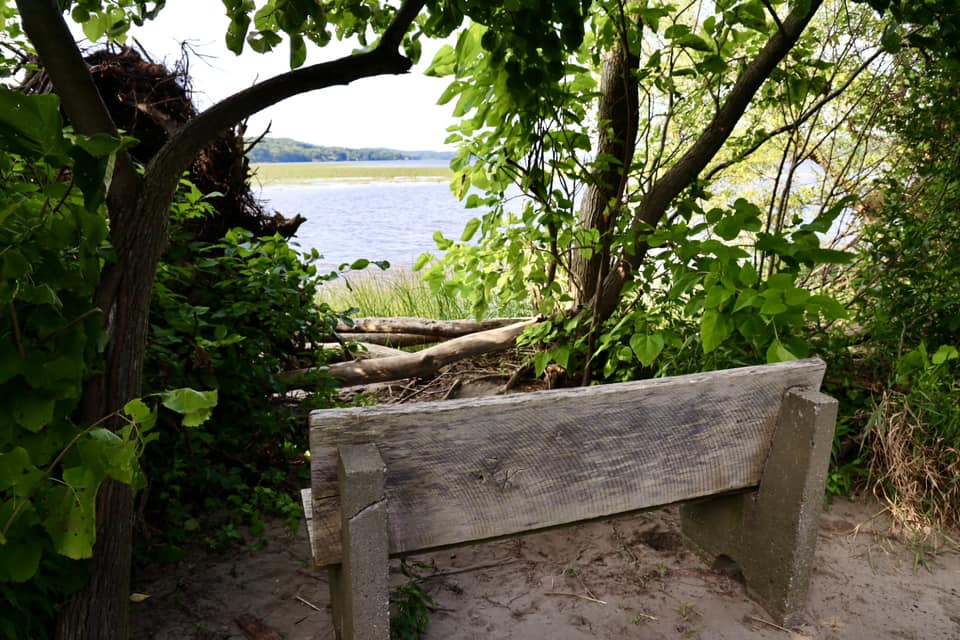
287, 150
280, 173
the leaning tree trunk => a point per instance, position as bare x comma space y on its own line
655, 203
138, 208
618, 115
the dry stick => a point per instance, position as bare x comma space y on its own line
574, 595
772, 624
476, 567
309, 604
453, 388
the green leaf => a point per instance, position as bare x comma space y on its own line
13, 465
31, 125
360, 264
748, 274
776, 352
828, 307
647, 347
891, 41
470, 230
34, 410
944, 353
195, 406
298, 51
71, 522
20, 558
422, 261
715, 327
693, 41
443, 63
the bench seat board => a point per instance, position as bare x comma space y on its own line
469, 470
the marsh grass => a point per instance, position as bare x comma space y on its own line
400, 292
389, 294
287, 173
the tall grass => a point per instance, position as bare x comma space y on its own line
397, 293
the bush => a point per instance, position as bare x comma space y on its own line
232, 316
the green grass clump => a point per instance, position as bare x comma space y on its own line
400, 293
391, 294
285, 173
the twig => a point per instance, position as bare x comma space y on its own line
574, 595
771, 624
476, 567
309, 604
646, 616
16, 330
453, 388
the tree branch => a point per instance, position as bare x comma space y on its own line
44, 25
654, 205
163, 172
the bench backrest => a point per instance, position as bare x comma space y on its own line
468, 470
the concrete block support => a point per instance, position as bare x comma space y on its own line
359, 589
771, 533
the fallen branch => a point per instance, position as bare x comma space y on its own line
389, 339
426, 327
415, 365
371, 350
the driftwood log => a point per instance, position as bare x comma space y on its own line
419, 364
365, 351
440, 329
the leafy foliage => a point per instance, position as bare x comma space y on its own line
232, 316
52, 232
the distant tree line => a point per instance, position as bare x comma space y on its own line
288, 150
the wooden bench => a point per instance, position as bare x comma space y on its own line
748, 447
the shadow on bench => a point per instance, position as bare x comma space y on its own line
395, 480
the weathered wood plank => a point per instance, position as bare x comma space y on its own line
466, 470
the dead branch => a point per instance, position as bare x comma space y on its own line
424, 326
419, 364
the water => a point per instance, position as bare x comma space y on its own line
391, 220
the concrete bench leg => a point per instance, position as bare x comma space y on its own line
771, 533
359, 590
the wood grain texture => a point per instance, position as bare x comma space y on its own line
466, 470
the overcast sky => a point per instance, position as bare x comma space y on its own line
399, 112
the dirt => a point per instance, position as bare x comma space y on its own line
629, 577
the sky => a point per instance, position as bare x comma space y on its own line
399, 112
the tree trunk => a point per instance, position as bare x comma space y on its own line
681, 175
618, 115
138, 208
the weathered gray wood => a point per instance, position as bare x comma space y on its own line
306, 498
420, 363
468, 470
359, 587
771, 535
425, 326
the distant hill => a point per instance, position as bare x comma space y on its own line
287, 150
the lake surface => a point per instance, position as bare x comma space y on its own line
388, 220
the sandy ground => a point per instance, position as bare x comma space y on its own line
630, 577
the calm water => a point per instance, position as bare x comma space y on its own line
391, 221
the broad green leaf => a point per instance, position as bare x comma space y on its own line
715, 327
748, 274
33, 410
195, 406
470, 229
693, 41
359, 264
828, 307
422, 261
443, 63
31, 125
71, 522
944, 353
298, 51
20, 558
13, 465
776, 352
647, 347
